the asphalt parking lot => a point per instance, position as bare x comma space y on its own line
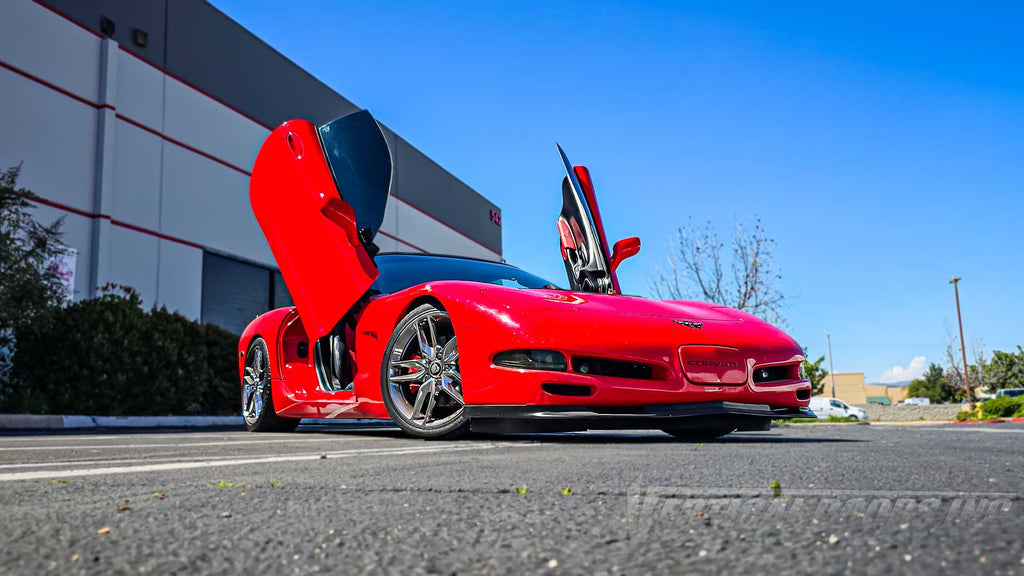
799, 499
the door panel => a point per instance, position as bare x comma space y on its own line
581, 235
313, 233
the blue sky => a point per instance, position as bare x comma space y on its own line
882, 145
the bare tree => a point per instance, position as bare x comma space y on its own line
696, 269
954, 366
981, 375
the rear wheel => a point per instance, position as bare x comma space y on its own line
257, 400
698, 435
420, 379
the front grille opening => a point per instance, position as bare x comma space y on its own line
567, 389
614, 368
772, 374
531, 360
804, 394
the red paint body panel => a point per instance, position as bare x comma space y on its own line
489, 319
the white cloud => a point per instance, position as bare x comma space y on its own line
898, 373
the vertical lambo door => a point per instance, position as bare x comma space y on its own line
319, 195
589, 265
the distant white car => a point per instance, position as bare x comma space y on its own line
1011, 392
917, 401
823, 407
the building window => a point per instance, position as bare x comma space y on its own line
235, 292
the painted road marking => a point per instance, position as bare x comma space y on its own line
188, 444
142, 468
305, 430
94, 462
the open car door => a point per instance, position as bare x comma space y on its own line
588, 263
319, 195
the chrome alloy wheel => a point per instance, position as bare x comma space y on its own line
423, 377
256, 384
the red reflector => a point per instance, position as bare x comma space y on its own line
565, 234
713, 365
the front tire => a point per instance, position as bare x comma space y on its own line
698, 435
257, 398
420, 379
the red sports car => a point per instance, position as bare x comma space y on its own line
443, 345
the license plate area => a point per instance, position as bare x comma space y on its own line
713, 365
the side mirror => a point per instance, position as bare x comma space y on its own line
624, 249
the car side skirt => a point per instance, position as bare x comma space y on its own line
692, 416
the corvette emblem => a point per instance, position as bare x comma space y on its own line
691, 324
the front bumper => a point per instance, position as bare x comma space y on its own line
693, 415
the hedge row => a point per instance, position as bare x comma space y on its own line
108, 356
1000, 407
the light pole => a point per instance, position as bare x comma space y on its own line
963, 347
831, 372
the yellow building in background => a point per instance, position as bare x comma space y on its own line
850, 388
876, 394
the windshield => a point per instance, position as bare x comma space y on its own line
401, 271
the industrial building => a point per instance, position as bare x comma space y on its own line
138, 123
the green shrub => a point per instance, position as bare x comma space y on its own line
1001, 407
966, 415
107, 356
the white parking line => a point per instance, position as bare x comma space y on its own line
94, 462
207, 463
188, 444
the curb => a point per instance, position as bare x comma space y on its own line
910, 422
71, 422
823, 423
976, 422
1018, 420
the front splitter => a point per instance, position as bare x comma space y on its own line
690, 416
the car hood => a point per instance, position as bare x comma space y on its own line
614, 304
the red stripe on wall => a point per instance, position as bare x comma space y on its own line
156, 234
192, 149
399, 240
196, 88
53, 86
69, 19
114, 222
434, 218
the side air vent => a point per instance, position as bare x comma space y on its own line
567, 389
614, 368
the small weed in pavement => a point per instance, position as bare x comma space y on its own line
230, 484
